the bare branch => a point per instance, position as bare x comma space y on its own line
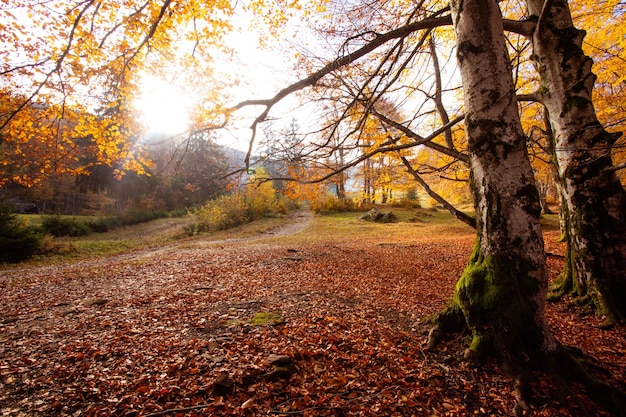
427, 141
618, 167
532, 97
431, 22
524, 27
470, 221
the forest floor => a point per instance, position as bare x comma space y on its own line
200, 327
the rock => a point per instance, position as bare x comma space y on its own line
372, 215
223, 385
377, 216
280, 372
279, 360
96, 302
387, 217
282, 367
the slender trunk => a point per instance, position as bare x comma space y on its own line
595, 201
438, 97
502, 291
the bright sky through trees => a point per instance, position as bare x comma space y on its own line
164, 106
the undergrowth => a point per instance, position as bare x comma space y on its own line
241, 207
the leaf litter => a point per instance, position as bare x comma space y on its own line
197, 331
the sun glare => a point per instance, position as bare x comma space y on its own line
165, 107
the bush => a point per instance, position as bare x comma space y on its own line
17, 241
330, 203
406, 203
222, 213
225, 212
64, 226
104, 224
136, 217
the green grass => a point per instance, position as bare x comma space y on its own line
122, 239
550, 222
412, 225
146, 235
346, 226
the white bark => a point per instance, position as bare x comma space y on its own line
507, 201
594, 198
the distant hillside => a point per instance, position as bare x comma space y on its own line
235, 157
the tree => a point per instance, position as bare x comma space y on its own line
502, 292
595, 200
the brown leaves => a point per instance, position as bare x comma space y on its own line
352, 332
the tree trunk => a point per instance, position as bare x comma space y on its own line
595, 201
501, 294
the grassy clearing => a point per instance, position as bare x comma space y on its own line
137, 237
413, 225
144, 235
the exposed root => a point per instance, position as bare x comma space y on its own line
450, 320
565, 365
521, 392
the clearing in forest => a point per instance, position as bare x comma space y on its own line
324, 317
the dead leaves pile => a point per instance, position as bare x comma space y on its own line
193, 332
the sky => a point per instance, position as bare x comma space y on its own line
262, 73
165, 106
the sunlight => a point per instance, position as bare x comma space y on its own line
165, 107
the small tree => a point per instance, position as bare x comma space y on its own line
17, 241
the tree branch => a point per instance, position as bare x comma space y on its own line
470, 221
57, 67
524, 27
431, 22
427, 141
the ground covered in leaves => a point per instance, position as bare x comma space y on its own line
194, 330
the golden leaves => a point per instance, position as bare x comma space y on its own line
71, 69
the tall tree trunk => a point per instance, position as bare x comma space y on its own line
501, 294
595, 200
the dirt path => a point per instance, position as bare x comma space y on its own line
299, 220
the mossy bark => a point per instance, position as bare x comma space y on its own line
501, 294
502, 303
594, 199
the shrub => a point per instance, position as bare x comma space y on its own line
406, 203
64, 226
330, 203
139, 216
17, 241
254, 202
261, 200
104, 224
222, 213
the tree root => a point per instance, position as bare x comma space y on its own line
567, 365
564, 366
450, 320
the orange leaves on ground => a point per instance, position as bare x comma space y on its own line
176, 333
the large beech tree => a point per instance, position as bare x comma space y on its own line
594, 199
501, 294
